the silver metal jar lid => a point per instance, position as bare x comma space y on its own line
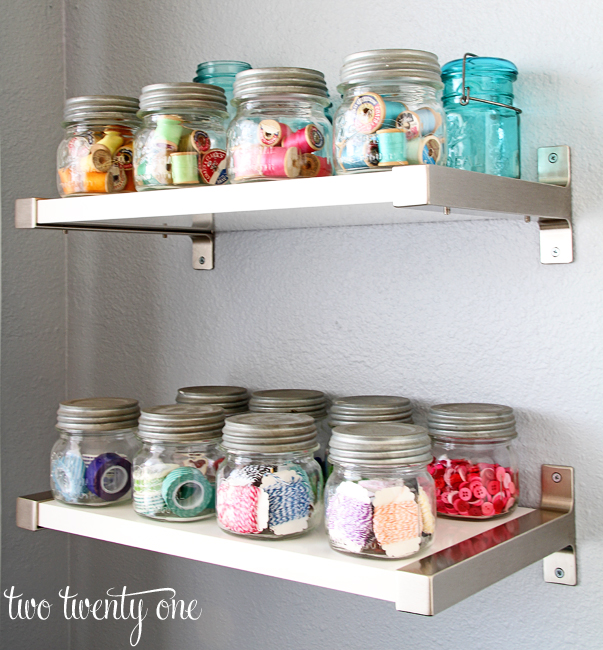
269, 433
378, 444
393, 64
182, 95
258, 82
471, 422
220, 395
100, 107
181, 423
289, 400
98, 414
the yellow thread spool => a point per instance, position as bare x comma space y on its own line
98, 183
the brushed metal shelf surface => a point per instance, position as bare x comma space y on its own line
467, 556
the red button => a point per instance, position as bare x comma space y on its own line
462, 507
493, 487
475, 511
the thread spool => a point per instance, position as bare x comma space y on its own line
423, 151
196, 140
247, 161
392, 147
98, 183
185, 168
307, 140
419, 123
359, 152
213, 167
124, 156
271, 132
110, 143
312, 166
66, 179
278, 162
168, 129
120, 180
372, 112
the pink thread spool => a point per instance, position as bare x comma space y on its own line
247, 161
279, 162
271, 132
307, 140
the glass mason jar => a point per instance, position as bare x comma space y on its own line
280, 129
97, 152
232, 399
482, 137
182, 142
294, 400
175, 472
380, 498
391, 112
221, 73
269, 485
91, 462
474, 464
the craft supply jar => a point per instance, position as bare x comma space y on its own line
91, 462
380, 498
391, 112
474, 464
221, 73
182, 142
232, 399
482, 136
97, 151
294, 400
175, 472
269, 485
280, 129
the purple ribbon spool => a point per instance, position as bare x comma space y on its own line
109, 476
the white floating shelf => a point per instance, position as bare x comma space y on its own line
401, 195
466, 556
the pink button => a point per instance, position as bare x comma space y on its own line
487, 475
510, 503
512, 488
479, 491
500, 473
507, 480
493, 487
465, 494
487, 509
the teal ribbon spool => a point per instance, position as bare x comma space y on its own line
186, 491
392, 147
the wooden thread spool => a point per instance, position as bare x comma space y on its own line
392, 147
98, 183
185, 168
371, 112
168, 129
419, 123
271, 132
307, 140
424, 151
278, 162
247, 162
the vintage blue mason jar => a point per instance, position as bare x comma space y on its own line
482, 136
221, 73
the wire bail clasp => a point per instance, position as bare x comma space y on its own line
466, 96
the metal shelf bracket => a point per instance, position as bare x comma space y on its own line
455, 573
556, 236
26, 216
27, 509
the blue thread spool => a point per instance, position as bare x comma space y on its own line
392, 147
418, 123
424, 151
360, 152
372, 112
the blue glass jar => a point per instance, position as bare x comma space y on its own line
221, 73
482, 137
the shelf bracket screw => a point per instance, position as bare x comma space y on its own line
527, 219
446, 210
201, 260
559, 573
553, 158
555, 252
556, 477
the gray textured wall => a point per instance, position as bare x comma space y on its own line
33, 306
460, 311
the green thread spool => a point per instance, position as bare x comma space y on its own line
424, 151
392, 147
185, 170
169, 129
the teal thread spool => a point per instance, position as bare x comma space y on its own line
169, 129
392, 147
359, 153
424, 151
185, 168
372, 112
